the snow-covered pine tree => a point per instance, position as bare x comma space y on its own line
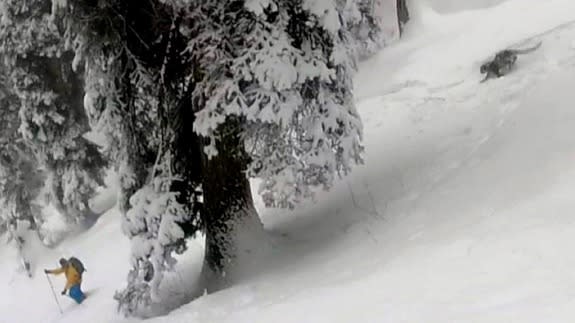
267, 87
133, 97
19, 182
273, 87
122, 107
53, 121
19, 178
366, 31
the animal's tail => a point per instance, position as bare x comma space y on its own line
526, 50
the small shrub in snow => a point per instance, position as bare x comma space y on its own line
153, 226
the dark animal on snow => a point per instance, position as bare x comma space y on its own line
503, 62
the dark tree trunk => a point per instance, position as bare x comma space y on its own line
232, 227
187, 162
402, 14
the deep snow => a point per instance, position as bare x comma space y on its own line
463, 211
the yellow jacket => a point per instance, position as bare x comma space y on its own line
72, 275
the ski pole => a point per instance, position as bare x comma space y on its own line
54, 293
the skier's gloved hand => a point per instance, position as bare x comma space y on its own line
46, 271
64, 292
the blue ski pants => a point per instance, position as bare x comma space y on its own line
77, 294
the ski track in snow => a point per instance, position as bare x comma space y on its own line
462, 212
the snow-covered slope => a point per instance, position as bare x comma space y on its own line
446, 6
463, 211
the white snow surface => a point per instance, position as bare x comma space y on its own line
463, 211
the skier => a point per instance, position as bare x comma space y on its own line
72, 269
